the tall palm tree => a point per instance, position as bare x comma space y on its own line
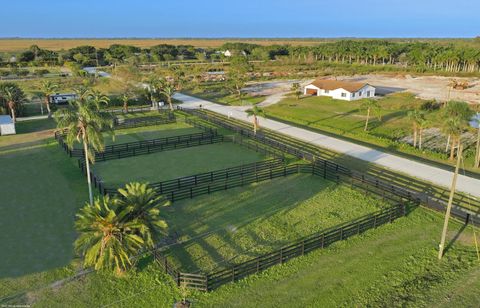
417, 117
477, 147
84, 123
98, 98
168, 89
255, 112
369, 105
455, 119
9, 94
114, 230
296, 90
48, 88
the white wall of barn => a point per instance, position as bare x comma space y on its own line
343, 94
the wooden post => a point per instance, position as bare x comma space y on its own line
450, 201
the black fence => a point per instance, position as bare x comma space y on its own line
322, 239
209, 182
463, 205
162, 118
303, 246
135, 148
133, 109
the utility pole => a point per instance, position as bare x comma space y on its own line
450, 201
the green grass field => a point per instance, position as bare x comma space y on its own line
39, 200
172, 164
217, 92
393, 266
149, 132
230, 227
346, 120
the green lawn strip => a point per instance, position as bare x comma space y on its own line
172, 164
148, 287
370, 269
234, 226
39, 200
149, 132
393, 266
464, 292
346, 120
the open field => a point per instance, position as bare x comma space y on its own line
425, 87
173, 164
148, 132
394, 265
43, 192
12, 45
233, 226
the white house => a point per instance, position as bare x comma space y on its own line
343, 90
7, 127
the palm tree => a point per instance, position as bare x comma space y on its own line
168, 89
455, 118
114, 230
9, 94
255, 112
296, 90
48, 88
98, 98
84, 123
417, 117
369, 105
477, 147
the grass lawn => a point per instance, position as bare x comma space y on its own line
39, 196
230, 227
149, 132
176, 163
218, 93
393, 266
347, 119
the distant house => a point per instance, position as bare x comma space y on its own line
62, 98
7, 127
343, 90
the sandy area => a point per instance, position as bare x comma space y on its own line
426, 87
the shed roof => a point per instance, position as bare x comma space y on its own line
328, 84
5, 119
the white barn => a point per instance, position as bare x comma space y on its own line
7, 127
343, 90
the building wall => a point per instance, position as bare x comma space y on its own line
347, 96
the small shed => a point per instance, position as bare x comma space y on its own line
7, 127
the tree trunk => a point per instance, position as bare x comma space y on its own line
169, 99
414, 136
452, 149
448, 142
89, 180
368, 117
47, 104
125, 107
255, 124
477, 151
420, 138
12, 111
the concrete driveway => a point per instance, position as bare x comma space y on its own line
421, 171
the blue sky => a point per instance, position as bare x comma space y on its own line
247, 18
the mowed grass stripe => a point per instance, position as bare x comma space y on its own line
173, 164
233, 226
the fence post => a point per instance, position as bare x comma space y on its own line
323, 240
233, 273
281, 255
303, 247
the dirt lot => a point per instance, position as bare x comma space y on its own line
426, 87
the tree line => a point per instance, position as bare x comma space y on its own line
433, 56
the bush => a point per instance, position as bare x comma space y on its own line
431, 105
40, 72
22, 73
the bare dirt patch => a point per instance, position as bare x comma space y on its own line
425, 87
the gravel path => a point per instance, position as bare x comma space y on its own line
421, 171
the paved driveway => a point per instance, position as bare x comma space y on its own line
421, 171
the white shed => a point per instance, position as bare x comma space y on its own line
343, 90
7, 127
